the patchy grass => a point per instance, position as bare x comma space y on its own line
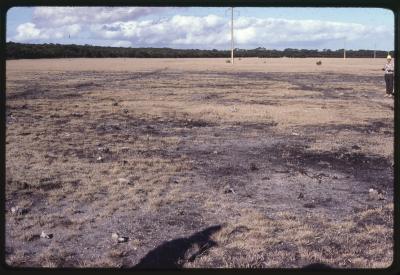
198, 167
255, 241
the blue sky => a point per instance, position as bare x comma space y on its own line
204, 28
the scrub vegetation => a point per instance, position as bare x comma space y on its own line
21, 51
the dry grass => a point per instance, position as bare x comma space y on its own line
255, 241
173, 136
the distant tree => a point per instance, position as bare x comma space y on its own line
50, 50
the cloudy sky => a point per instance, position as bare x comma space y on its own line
204, 28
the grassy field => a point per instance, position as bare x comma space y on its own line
199, 163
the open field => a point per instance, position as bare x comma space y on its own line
266, 163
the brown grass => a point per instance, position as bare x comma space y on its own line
181, 133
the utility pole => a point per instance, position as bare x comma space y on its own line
374, 50
232, 36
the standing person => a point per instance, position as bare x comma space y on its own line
389, 69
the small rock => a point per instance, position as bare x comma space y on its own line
174, 180
123, 239
125, 181
77, 114
295, 134
253, 167
126, 111
215, 152
355, 147
373, 194
114, 236
16, 210
104, 149
228, 189
301, 195
99, 158
115, 104
46, 236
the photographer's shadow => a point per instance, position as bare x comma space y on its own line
173, 254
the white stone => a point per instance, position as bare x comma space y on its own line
122, 239
14, 210
124, 181
45, 235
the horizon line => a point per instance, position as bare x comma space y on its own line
160, 47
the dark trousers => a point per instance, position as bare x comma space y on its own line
389, 83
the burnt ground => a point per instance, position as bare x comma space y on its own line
218, 172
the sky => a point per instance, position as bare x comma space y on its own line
204, 28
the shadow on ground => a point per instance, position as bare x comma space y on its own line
174, 254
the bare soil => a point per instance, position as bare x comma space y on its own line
200, 163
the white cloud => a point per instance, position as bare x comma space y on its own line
178, 30
126, 26
73, 29
275, 31
29, 32
59, 16
214, 31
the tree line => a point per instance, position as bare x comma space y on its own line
31, 51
